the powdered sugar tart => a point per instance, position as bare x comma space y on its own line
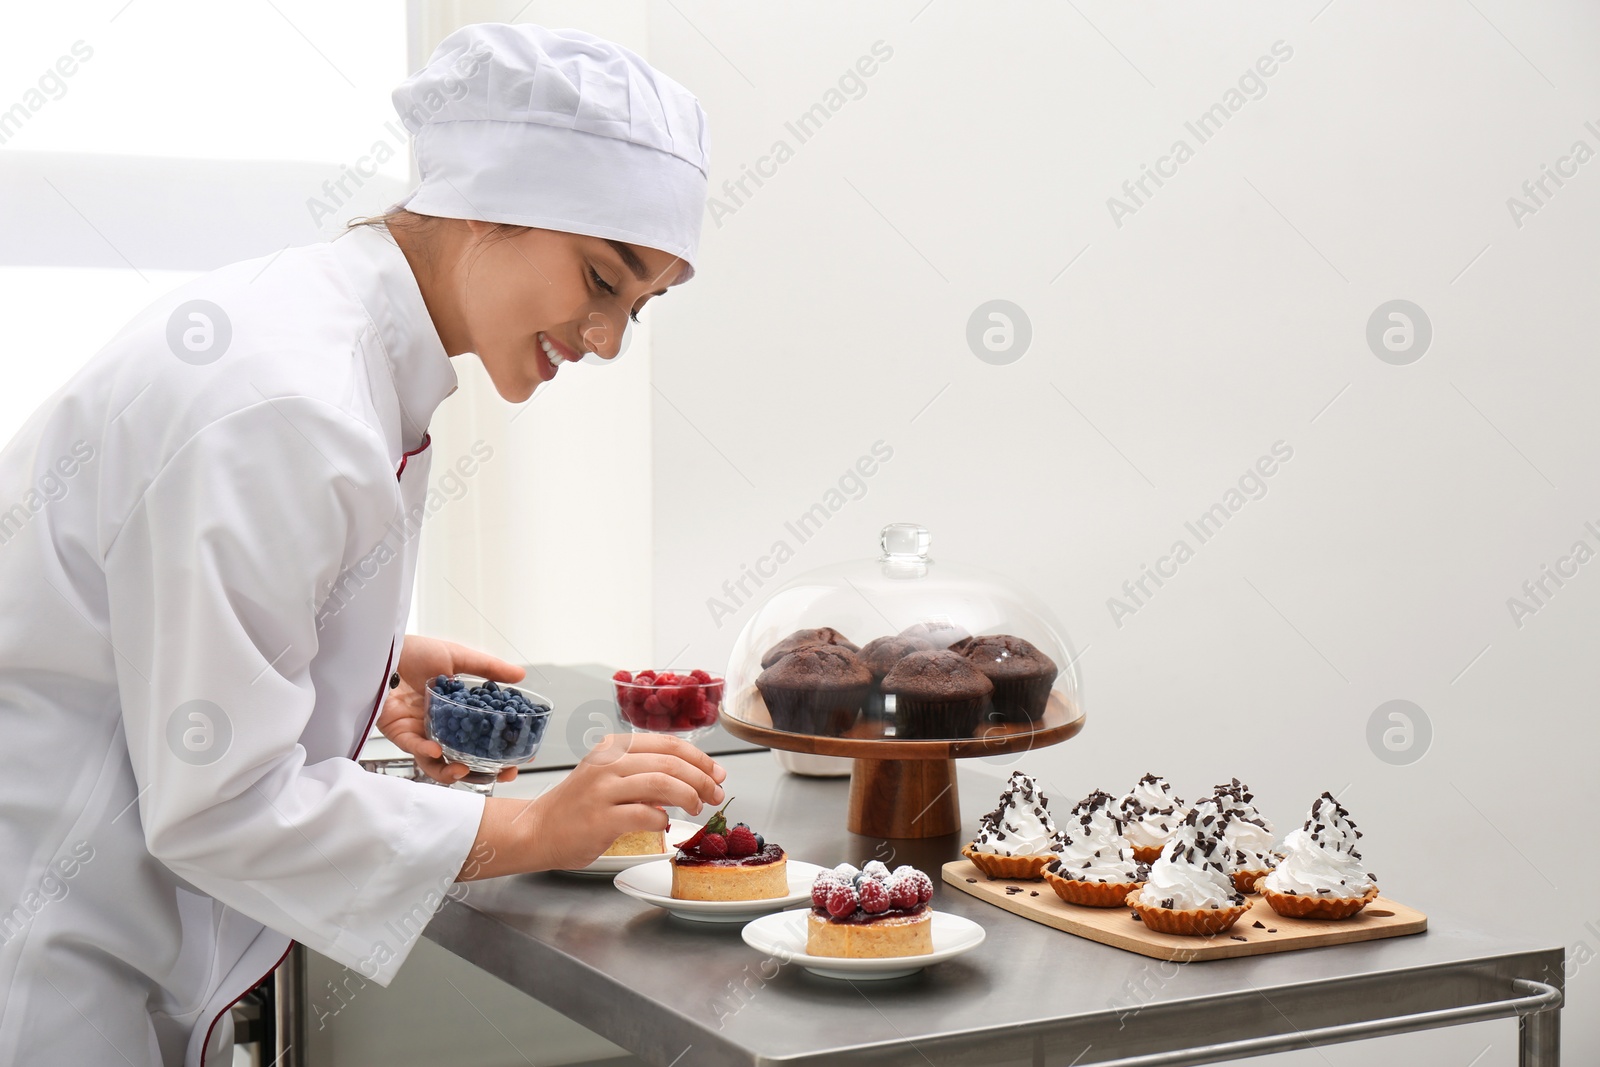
1321, 875
1018, 837
871, 912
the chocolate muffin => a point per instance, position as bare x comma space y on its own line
937, 694
1022, 675
822, 635
816, 689
941, 630
880, 655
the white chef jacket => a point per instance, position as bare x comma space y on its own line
205, 571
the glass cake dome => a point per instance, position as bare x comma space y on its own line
901, 648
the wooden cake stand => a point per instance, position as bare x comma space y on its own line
902, 788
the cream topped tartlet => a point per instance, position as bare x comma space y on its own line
1149, 814
1248, 837
1188, 890
1017, 838
1321, 875
1094, 864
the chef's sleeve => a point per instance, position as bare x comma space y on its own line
213, 582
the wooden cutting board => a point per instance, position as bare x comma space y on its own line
1116, 926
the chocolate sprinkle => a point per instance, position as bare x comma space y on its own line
1238, 937
1258, 925
1136, 917
972, 879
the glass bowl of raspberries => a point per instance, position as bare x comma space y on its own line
685, 705
485, 725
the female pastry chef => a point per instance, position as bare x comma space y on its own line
207, 543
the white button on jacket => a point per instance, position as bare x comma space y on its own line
207, 542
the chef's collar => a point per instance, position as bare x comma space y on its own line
418, 364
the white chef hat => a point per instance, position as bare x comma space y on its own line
557, 129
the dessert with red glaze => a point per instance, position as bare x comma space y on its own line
870, 913
728, 863
668, 703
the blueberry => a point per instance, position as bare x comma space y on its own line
490, 686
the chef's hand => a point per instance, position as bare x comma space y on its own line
621, 785
403, 719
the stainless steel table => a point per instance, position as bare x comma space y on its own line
689, 994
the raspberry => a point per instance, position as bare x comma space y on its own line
842, 901
903, 893
741, 842
876, 869
714, 845
622, 676
822, 888
874, 898
700, 676
924, 886
645, 678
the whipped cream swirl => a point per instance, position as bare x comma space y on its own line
1189, 873
1247, 835
1321, 857
1150, 812
1090, 846
1020, 825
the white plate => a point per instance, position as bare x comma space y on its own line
784, 937
652, 883
677, 830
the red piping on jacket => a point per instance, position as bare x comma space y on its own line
426, 440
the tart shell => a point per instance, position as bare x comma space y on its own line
1315, 907
1200, 922
1245, 881
1146, 853
1091, 894
1016, 868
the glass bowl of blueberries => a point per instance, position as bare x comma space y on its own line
485, 725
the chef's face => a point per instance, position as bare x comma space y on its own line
536, 300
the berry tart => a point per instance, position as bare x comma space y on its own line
638, 843
723, 863
870, 913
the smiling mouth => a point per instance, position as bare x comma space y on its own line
556, 352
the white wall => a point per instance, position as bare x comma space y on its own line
1221, 317
544, 555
